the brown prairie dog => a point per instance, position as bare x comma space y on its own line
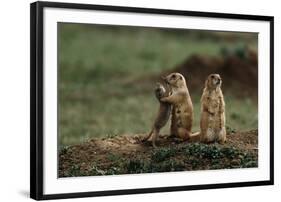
162, 115
212, 122
182, 113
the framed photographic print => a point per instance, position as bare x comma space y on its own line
136, 100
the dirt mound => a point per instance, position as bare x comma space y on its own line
239, 71
127, 154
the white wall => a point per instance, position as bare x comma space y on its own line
14, 99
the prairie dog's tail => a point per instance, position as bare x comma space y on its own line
195, 137
154, 134
148, 136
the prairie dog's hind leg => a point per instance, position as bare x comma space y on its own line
222, 136
183, 133
155, 135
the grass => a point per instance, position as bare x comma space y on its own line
97, 66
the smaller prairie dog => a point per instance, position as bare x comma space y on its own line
212, 122
162, 115
182, 113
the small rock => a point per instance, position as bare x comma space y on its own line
236, 162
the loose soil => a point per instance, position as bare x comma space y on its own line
128, 154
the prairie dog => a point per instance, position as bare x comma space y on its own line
212, 122
162, 115
182, 113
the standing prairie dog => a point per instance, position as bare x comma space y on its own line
212, 122
182, 113
162, 115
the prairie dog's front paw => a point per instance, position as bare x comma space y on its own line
163, 99
159, 90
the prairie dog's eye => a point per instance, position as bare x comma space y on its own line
173, 76
212, 76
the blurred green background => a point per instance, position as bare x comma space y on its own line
107, 76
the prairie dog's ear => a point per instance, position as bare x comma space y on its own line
206, 82
158, 84
164, 78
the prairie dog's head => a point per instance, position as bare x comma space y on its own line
175, 80
213, 81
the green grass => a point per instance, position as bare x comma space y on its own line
97, 66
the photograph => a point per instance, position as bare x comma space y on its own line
132, 100
136, 99
140, 101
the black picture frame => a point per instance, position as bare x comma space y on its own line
36, 98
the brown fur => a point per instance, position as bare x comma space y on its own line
162, 115
212, 122
182, 113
